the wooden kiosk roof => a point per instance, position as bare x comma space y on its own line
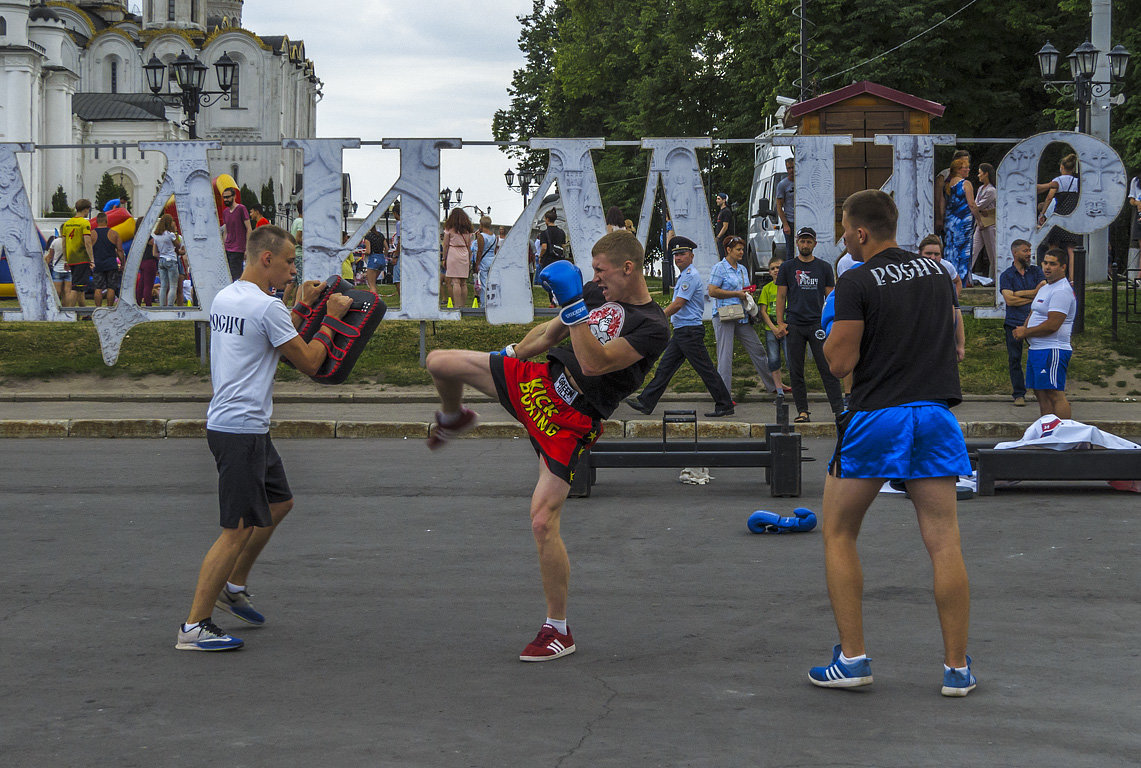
863, 87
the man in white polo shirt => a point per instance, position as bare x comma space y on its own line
1048, 331
249, 332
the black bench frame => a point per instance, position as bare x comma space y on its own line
779, 453
1038, 464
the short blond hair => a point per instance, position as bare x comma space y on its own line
619, 247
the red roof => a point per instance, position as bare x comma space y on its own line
856, 89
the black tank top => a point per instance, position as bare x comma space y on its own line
104, 251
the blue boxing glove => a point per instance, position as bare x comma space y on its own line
564, 281
828, 313
763, 521
508, 351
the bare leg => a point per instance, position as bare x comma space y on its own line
256, 543
452, 368
217, 564
846, 500
934, 500
370, 279
554, 564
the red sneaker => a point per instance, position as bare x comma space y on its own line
549, 644
467, 421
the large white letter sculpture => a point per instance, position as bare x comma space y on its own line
189, 181
1101, 194
912, 187
20, 241
816, 189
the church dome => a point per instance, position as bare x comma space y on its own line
42, 13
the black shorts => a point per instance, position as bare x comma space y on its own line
108, 280
250, 477
80, 273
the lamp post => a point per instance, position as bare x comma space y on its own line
446, 199
1084, 89
190, 75
524, 186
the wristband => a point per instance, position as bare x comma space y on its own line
302, 309
574, 313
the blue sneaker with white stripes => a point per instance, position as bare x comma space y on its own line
841, 675
956, 683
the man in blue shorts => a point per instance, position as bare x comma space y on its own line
895, 332
1047, 328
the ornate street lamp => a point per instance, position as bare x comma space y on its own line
524, 185
189, 74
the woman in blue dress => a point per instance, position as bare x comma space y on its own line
959, 223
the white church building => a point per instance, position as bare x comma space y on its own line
72, 73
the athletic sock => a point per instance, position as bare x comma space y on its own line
234, 589
559, 624
849, 662
960, 670
448, 419
190, 627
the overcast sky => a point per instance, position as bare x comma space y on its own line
409, 69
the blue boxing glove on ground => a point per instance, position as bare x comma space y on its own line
564, 280
763, 521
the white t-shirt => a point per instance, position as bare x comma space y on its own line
246, 327
845, 263
1056, 297
166, 245
58, 257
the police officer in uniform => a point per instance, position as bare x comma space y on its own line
688, 339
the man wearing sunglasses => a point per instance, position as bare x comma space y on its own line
236, 225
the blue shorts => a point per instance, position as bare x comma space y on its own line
376, 261
1046, 368
60, 277
904, 442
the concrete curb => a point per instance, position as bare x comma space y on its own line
612, 429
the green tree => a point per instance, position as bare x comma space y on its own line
248, 196
268, 203
59, 201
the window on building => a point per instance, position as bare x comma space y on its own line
234, 104
150, 10
3, 26
194, 10
170, 10
114, 75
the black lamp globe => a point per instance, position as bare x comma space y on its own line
155, 71
1048, 61
1118, 61
1086, 59
225, 67
509, 175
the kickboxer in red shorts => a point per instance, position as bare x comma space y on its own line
616, 333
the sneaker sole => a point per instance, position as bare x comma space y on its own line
957, 692
228, 609
847, 682
559, 655
211, 649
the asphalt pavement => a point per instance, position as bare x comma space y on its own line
404, 584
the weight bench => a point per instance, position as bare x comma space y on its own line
779, 453
1038, 464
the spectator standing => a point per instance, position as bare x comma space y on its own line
940, 199
148, 271
296, 231
56, 258
723, 224
236, 223
687, 341
1048, 328
168, 246
774, 337
486, 246
1062, 191
786, 205
959, 218
1133, 265
802, 285
986, 201
931, 247
377, 263
729, 287
1019, 284
394, 250
107, 255
77, 237
458, 234
552, 242
256, 217
615, 220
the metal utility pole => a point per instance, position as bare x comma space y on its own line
1101, 23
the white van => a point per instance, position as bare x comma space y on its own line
765, 236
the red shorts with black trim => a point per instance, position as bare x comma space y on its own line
558, 431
